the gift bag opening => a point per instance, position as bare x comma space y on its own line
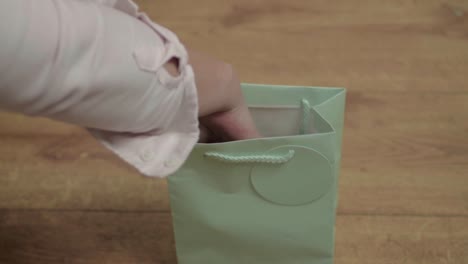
280, 121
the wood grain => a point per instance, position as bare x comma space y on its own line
404, 180
362, 45
85, 237
109, 237
382, 239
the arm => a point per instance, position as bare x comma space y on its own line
115, 72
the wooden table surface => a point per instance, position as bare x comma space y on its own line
404, 181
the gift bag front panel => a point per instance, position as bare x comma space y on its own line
219, 215
220, 218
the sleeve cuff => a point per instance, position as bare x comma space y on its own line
159, 152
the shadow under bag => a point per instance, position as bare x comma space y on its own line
269, 200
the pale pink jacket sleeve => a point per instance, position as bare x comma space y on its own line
99, 64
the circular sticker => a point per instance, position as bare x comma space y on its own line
303, 179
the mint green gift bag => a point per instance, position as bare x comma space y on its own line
270, 200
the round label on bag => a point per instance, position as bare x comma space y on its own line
301, 180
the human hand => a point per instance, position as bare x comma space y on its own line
223, 112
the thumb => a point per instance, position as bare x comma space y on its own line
234, 124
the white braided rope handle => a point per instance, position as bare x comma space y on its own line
262, 158
266, 158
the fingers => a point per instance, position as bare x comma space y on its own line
235, 124
224, 115
212, 78
207, 136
